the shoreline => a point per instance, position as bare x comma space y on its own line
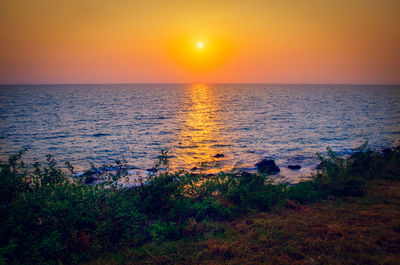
133, 176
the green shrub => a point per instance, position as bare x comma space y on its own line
306, 192
48, 218
342, 176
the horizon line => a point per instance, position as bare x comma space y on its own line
191, 83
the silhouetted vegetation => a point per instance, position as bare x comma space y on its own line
48, 218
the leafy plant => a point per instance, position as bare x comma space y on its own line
49, 218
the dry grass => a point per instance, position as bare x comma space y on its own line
339, 231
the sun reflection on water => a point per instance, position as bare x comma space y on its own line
201, 136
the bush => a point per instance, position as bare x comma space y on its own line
48, 218
342, 176
307, 192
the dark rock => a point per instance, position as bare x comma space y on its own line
267, 166
195, 168
91, 172
154, 170
219, 155
294, 167
90, 180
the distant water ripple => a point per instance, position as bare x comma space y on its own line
289, 123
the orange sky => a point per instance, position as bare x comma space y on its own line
125, 41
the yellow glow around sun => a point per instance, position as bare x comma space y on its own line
198, 56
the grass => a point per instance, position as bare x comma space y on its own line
347, 230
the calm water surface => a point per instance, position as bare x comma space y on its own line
288, 123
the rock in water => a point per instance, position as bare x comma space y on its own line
153, 170
219, 155
267, 166
294, 167
89, 180
91, 172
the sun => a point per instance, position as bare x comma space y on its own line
199, 55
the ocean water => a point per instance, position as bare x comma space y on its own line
194, 122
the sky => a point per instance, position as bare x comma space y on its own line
126, 41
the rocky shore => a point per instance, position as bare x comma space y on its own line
135, 176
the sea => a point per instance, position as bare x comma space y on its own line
214, 127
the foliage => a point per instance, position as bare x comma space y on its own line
345, 230
49, 218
